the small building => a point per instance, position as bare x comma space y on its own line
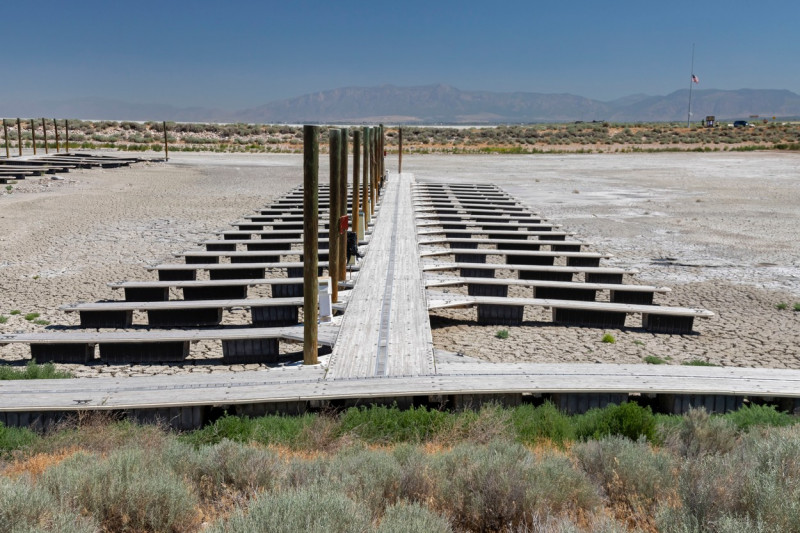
711, 121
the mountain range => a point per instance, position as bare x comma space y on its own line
437, 104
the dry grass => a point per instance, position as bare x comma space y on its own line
469, 475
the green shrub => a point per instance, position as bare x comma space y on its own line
311, 510
796, 306
228, 465
698, 362
782, 306
15, 312
31, 316
608, 338
379, 424
369, 477
655, 360
130, 490
3, 319
412, 518
700, 434
501, 334
633, 476
33, 371
415, 483
533, 424
627, 419
15, 439
752, 415
25, 507
500, 486
756, 485
271, 429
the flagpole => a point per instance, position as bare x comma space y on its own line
691, 82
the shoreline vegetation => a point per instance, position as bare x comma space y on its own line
385, 469
580, 137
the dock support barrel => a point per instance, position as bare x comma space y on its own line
247, 351
144, 352
77, 353
500, 315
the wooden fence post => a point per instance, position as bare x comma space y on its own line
367, 194
44, 133
400, 151
19, 137
343, 206
356, 196
66, 135
5, 137
376, 191
33, 135
55, 130
334, 139
310, 243
166, 145
382, 153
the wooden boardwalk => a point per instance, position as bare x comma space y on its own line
386, 331
383, 351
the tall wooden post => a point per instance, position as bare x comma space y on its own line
356, 195
19, 137
343, 205
382, 153
166, 145
400, 151
55, 130
66, 135
374, 166
310, 242
44, 133
334, 138
33, 135
5, 137
366, 194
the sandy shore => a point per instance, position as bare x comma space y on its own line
719, 229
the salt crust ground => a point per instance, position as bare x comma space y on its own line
719, 229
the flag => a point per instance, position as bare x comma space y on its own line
694, 79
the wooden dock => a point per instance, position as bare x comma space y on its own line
383, 348
386, 331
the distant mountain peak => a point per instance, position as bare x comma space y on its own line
437, 103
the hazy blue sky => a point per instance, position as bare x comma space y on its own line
236, 54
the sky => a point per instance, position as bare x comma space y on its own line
240, 54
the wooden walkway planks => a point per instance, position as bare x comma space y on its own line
386, 330
308, 384
408, 367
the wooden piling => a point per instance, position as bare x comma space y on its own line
343, 206
366, 184
374, 168
33, 135
376, 191
166, 144
400, 151
66, 136
19, 137
334, 139
381, 158
310, 242
55, 130
44, 133
5, 137
356, 196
